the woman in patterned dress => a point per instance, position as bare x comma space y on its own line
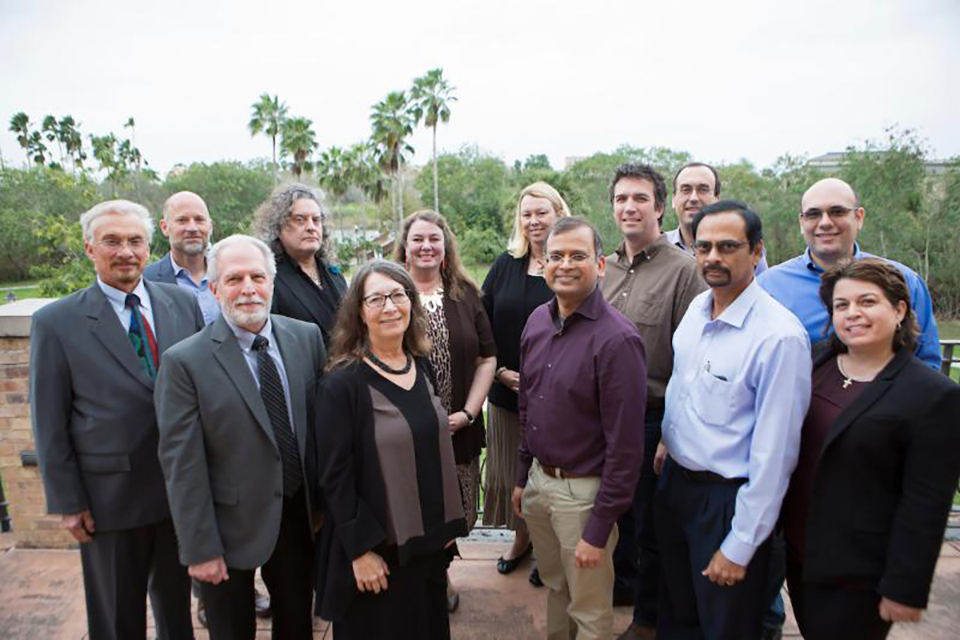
463, 354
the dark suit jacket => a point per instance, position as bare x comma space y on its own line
885, 481
217, 446
161, 271
295, 296
92, 406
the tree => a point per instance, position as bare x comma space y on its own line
20, 127
72, 141
333, 173
431, 97
51, 128
364, 173
134, 153
268, 117
298, 141
392, 124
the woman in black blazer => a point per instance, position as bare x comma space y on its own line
865, 513
307, 287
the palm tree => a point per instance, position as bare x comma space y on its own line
298, 140
20, 127
268, 117
133, 140
72, 141
51, 128
393, 122
332, 171
431, 96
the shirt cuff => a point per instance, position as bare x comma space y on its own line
737, 550
597, 532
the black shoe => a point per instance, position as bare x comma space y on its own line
505, 566
535, 577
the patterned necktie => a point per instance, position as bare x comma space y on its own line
271, 390
141, 336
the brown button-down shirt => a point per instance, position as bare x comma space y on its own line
653, 292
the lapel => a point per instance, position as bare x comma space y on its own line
868, 397
106, 327
164, 317
226, 351
300, 289
295, 359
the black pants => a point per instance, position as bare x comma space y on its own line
288, 575
692, 520
120, 568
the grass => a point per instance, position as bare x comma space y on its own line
26, 289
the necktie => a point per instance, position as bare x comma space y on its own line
271, 390
141, 336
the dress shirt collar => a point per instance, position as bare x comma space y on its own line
589, 308
118, 298
178, 270
736, 314
245, 338
813, 266
649, 253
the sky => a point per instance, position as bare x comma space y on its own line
723, 81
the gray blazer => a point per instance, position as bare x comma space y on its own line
92, 406
217, 447
161, 271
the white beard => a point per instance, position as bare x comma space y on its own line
246, 318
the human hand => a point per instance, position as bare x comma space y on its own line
80, 525
212, 571
587, 556
893, 611
370, 571
457, 421
510, 379
517, 495
723, 572
660, 457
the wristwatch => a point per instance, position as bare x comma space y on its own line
470, 416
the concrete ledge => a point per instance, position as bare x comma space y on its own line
15, 317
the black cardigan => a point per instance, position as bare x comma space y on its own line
885, 481
296, 296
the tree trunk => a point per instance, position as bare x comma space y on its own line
274, 140
436, 188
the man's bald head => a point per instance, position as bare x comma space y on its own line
831, 188
830, 219
186, 222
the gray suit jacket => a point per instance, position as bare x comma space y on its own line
92, 406
217, 446
161, 271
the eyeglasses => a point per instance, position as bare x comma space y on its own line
835, 213
115, 244
379, 301
576, 258
724, 247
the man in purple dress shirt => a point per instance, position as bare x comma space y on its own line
582, 399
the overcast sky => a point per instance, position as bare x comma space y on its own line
721, 80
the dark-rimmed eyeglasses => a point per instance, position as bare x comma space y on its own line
379, 301
724, 247
835, 213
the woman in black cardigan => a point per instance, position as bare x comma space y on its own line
307, 287
386, 469
865, 513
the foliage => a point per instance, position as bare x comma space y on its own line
298, 140
269, 115
65, 266
430, 98
481, 246
393, 121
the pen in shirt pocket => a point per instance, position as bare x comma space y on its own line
718, 377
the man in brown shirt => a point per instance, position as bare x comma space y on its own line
651, 282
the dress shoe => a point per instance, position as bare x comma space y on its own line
453, 602
638, 632
535, 577
505, 566
261, 602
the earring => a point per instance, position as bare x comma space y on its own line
443, 265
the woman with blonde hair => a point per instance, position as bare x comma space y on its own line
513, 288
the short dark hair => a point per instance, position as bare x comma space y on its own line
642, 172
750, 218
572, 223
885, 276
716, 176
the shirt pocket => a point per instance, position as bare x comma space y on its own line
717, 401
649, 311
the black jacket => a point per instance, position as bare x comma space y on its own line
295, 296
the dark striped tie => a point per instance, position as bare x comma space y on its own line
271, 390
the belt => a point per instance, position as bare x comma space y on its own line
707, 476
557, 472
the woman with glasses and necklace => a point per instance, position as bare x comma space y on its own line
879, 460
513, 288
386, 467
462, 354
307, 286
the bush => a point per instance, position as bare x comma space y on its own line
481, 246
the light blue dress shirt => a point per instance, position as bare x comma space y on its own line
118, 301
796, 285
735, 404
676, 238
245, 338
209, 306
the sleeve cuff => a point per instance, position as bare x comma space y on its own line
737, 551
596, 532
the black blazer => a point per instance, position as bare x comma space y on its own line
295, 296
885, 481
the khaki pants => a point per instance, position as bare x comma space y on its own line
556, 512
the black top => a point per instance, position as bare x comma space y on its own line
510, 295
295, 295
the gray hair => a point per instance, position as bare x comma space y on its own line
89, 221
270, 216
213, 254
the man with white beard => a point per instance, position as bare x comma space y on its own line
234, 408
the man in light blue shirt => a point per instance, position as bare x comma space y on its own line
186, 223
734, 407
830, 219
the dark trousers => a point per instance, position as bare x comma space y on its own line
830, 612
776, 615
120, 568
692, 520
288, 574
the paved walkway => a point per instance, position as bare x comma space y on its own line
41, 596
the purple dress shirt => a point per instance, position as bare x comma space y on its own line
583, 394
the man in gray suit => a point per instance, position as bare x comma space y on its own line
93, 358
236, 445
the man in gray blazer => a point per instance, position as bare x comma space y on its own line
234, 405
93, 358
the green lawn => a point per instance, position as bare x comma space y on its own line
22, 290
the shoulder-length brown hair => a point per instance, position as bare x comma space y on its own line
455, 278
350, 340
890, 281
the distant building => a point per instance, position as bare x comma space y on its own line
830, 163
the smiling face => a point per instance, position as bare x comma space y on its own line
729, 263
537, 217
635, 210
119, 249
302, 232
863, 316
187, 224
389, 322
694, 190
244, 287
573, 267
830, 236
424, 246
